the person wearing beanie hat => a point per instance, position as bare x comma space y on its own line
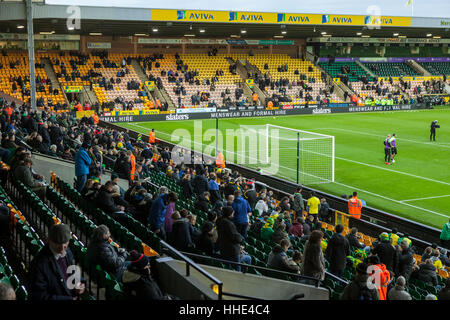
358, 288
49, 276
138, 283
229, 239
267, 231
385, 251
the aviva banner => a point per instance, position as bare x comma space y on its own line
276, 18
298, 18
212, 16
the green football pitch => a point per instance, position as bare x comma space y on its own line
416, 186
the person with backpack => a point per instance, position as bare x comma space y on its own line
358, 289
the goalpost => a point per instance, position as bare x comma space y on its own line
304, 157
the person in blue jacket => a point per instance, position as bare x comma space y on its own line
242, 211
158, 212
82, 163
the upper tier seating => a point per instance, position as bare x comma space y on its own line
391, 69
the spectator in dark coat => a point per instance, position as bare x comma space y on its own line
386, 252
337, 251
358, 289
200, 183
279, 260
205, 242
203, 202
138, 283
250, 196
5, 232
299, 205
229, 239
180, 237
186, 186
426, 272
105, 201
353, 239
101, 252
405, 260
47, 276
324, 211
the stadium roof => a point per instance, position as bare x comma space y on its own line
176, 23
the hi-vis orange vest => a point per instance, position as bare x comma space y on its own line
158, 103
151, 137
133, 166
354, 207
255, 96
383, 278
151, 105
9, 111
270, 104
95, 117
220, 160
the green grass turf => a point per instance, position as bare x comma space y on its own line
421, 169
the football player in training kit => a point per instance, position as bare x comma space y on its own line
393, 142
387, 150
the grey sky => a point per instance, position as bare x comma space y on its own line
422, 8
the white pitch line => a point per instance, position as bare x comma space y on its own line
446, 195
398, 201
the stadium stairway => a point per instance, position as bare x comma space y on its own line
417, 67
143, 79
52, 76
366, 69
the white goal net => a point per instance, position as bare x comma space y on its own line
303, 157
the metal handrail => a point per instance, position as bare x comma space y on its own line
190, 263
299, 276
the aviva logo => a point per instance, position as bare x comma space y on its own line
234, 16
336, 20
181, 14
374, 20
281, 17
